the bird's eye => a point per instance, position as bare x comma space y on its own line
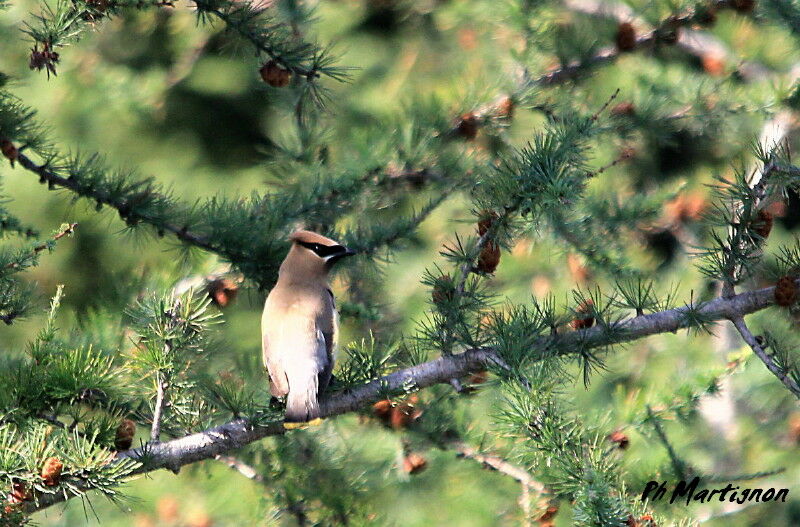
317, 247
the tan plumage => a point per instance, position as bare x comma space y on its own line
299, 325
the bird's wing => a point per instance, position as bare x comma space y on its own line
327, 348
278, 384
332, 336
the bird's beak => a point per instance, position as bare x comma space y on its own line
349, 252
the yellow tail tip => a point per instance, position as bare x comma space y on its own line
295, 426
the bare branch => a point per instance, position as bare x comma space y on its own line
161, 401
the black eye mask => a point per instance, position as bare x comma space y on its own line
323, 251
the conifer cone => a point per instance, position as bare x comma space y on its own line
467, 127
222, 291
785, 291
623, 108
443, 289
414, 463
485, 221
489, 258
404, 412
763, 223
124, 436
794, 428
275, 75
548, 514
583, 322
9, 151
619, 438
51, 471
626, 37
397, 415
505, 108
382, 410
19, 493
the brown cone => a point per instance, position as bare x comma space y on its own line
785, 291
489, 258
124, 436
51, 471
582, 322
626, 37
275, 75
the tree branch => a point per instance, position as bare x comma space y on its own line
765, 357
235, 434
48, 176
161, 400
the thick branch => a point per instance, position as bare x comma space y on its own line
239, 432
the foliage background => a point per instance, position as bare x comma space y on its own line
135, 90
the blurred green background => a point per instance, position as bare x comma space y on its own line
157, 92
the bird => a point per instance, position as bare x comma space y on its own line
299, 325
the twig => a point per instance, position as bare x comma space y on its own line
69, 229
677, 463
766, 358
161, 400
48, 176
241, 467
497, 463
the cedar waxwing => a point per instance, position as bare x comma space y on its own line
299, 325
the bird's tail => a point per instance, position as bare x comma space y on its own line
301, 403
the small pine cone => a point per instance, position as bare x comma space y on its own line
275, 75
9, 151
487, 218
713, 64
383, 410
222, 291
414, 463
19, 493
785, 291
763, 224
467, 127
479, 377
794, 428
647, 521
489, 258
403, 413
124, 436
623, 108
626, 37
443, 289
51, 471
549, 513
583, 321
505, 108
619, 438
744, 6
